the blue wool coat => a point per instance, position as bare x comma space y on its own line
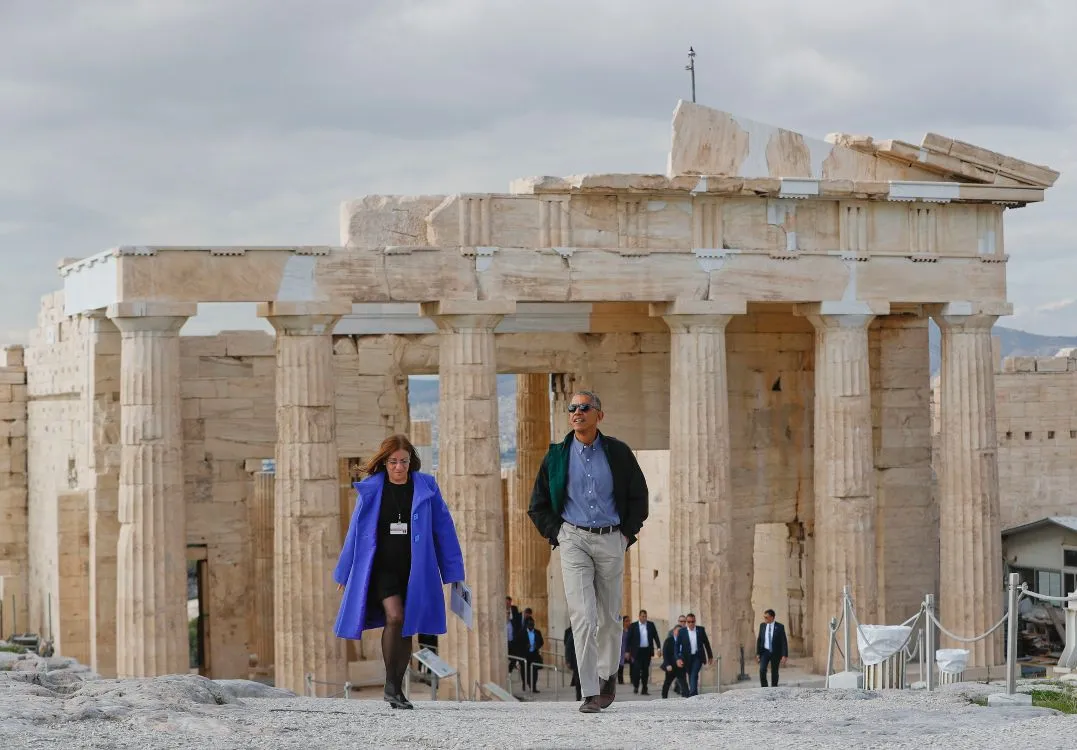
435, 560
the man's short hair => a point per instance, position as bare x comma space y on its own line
769, 612
690, 614
591, 395
643, 611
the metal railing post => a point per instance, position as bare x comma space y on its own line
929, 651
1011, 635
847, 617
830, 649
309, 685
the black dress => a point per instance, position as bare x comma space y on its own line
392, 555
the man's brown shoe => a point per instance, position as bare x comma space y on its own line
591, 706
607, 691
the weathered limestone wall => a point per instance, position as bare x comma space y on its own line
1037, 435
14, 527
771, 387
907, 515
58, 435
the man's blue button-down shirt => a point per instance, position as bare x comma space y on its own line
590, 487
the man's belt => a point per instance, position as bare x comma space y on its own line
598, 530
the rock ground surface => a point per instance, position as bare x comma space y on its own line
57, 702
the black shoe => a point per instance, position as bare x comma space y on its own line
607, 691
644, 692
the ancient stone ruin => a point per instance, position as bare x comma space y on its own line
755, 320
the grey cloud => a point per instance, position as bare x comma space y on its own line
208, 122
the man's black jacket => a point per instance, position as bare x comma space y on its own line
630, 494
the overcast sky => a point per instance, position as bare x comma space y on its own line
248, 121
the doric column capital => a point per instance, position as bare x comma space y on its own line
969, 316
841, 315
304, 318
160, 317
456, 315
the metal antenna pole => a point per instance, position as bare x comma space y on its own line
691, 68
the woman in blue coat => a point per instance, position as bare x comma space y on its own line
400, 550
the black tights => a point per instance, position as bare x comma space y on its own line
395, 648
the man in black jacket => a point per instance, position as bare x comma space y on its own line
696, 651
642, 641
671, 659
771, 648
590, 498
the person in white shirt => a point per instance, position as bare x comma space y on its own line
642, 642
771, 648
695, 651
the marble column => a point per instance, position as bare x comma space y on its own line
306, 529
845, 495
562, 386
260, 514
970, 541
529, 553
151, 599
701, 564
469, 472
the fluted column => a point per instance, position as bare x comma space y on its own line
151, 599
845, 498
701, 565
970, 541
562, 386
306, 533
529, 553
469, 471
260, 515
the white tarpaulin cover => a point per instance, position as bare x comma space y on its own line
952, 660
877, 643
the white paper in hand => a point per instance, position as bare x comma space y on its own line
460, 602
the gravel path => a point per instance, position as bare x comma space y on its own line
60, 709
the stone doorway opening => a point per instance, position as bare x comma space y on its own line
197, 614
780, 581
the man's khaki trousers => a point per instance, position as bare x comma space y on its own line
593, 569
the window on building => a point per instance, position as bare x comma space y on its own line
1009, 435
1073, 434
1028, 436
1049, 582
1050, 434
1069, 558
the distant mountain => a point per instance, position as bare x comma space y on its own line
1014, 344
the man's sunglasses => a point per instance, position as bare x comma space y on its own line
582, 408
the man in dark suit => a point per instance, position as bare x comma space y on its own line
531, 644
670, 657
570, 661
771, 647
639, 650
695, 652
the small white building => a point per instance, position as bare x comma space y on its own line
1044, 552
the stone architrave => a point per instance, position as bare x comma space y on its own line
970, 533
529, 553
469, 472
307, 525
151, 599
701, 562
845, 493
260, 514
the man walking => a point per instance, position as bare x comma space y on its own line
695, 652
642, 642
670, 659
590, 498
771, 647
